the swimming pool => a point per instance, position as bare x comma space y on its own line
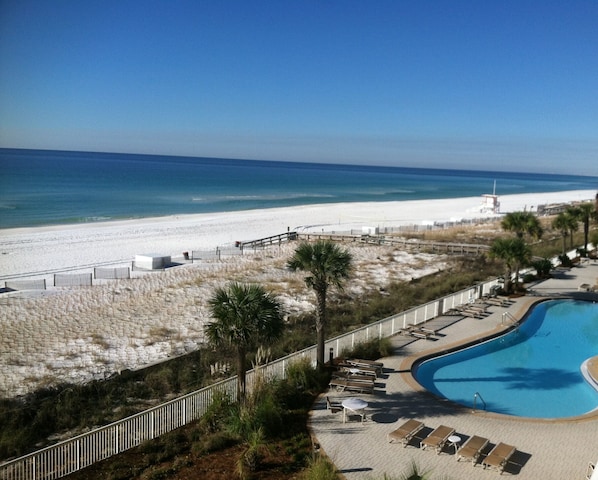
532, 371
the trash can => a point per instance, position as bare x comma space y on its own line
186, 255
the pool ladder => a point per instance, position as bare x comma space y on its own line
477, 395
508, 318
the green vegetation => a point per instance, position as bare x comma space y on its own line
319, 468
265, 418
327, 265
245, 315
515, 253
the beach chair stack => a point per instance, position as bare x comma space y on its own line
356, 375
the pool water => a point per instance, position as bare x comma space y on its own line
533, 371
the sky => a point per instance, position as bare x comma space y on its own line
485, 84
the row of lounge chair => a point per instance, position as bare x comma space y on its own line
472, 449
356, 375
477, 308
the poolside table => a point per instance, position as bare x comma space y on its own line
453, 441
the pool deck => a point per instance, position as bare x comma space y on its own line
546, 449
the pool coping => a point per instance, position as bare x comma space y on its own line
524, 305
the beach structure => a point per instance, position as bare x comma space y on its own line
152, 261
490, 203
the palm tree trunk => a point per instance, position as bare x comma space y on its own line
508, 281
320, 328
586, 232
241, 373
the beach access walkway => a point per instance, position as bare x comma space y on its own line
546, 449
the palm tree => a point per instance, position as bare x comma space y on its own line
514, 252
244, 316
585, 212
561, 223
522, 223
572, 214
327, 264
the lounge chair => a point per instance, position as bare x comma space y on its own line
405, 432
359, 370
437, 438
333, 407
431, 331
498, 457
495, 301
420, 333
342, 384
358, 362
354, 377
472, 449
406, 331
470, 313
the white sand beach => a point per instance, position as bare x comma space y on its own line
33, 251
77, 334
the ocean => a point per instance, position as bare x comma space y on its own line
40, 187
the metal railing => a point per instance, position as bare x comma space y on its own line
86, 449
477, 395
507, 317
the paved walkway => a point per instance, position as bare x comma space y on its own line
546, 449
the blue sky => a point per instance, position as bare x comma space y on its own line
491, 85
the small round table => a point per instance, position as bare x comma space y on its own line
355, 405
454, 442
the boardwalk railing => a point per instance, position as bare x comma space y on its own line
410, 245
71, 455
268, 241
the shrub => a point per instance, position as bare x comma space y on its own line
160, 382
216, 414
302, 383
213, 442
528, 277
542, 267
319, 468
253, 455
371, 350
565, 261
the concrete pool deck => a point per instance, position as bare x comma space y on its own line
546, 449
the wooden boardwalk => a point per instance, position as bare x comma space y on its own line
402, 243
405, 244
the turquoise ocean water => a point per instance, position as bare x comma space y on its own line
39, 187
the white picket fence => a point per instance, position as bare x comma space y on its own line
74, 454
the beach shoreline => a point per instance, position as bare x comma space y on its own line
37, 250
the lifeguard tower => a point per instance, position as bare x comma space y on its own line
490, 203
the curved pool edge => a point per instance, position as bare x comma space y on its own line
410, 362
589, 370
